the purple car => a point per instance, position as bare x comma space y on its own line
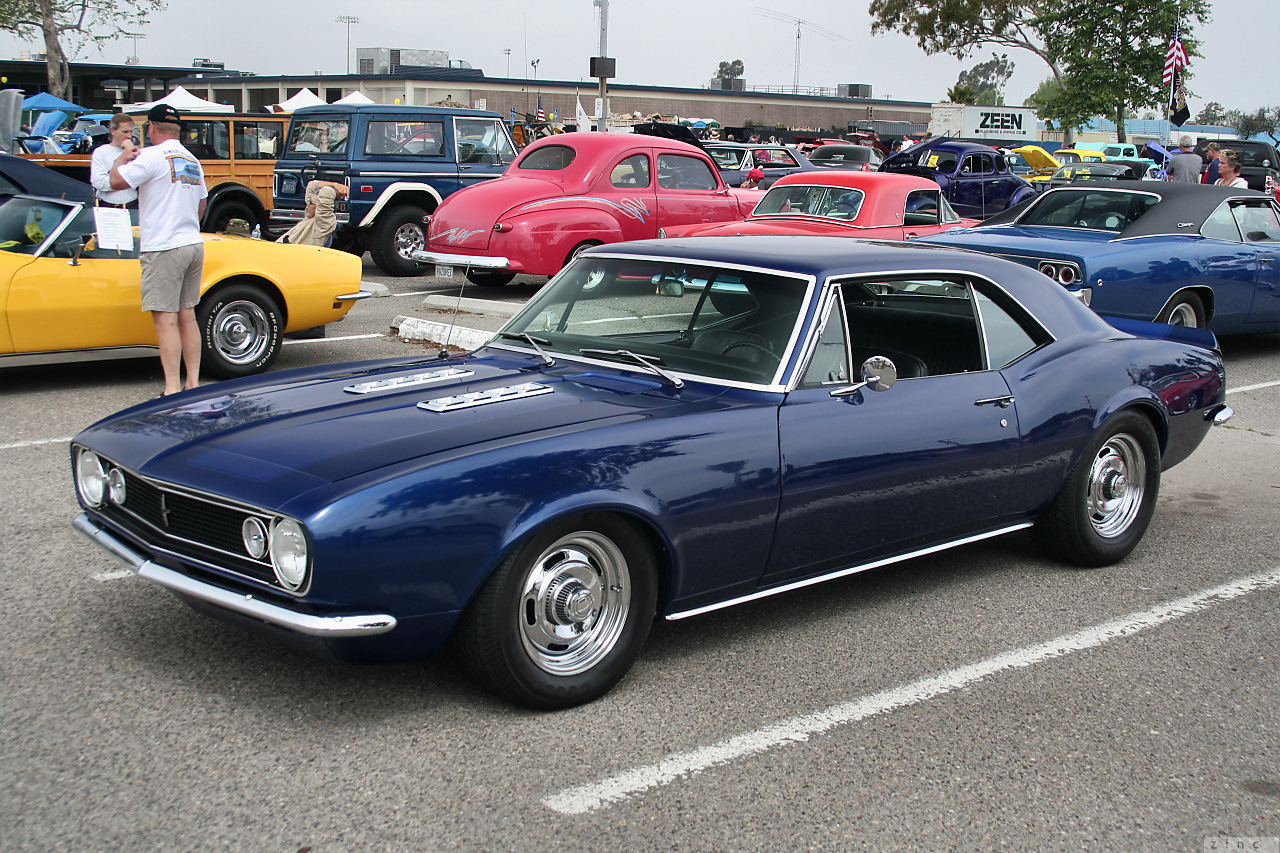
975, 178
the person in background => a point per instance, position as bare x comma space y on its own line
1185, 165
1229, 166
171, 201
1211, 174
104, 156
754, 177
318, 222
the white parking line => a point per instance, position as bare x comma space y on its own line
1253, 387
14, 445
597, 795
111, 576
289, 341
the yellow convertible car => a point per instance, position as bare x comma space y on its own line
65, 297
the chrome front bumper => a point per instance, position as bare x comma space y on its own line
360, 625
468, 261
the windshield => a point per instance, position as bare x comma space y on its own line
1097, 210
847, 153
319, 136
26, 223
799, 200
727, 158
702, 321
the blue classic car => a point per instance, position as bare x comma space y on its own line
976, 179
1185, 254
668, 427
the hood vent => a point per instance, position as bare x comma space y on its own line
397, 383
482, 398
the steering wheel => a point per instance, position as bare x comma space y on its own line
751, 345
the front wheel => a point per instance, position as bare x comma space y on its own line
1186, 309
563, 618
578, 250
396, 235
1107, 501
240, 329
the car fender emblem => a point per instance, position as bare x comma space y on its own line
164, 510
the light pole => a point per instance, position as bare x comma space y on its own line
534, 63
135, 37
348, 20
507, 51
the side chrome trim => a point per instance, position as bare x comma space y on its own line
852, 570
357, 625
1221, 414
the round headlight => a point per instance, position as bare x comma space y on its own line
115, 486
254, 534
289, 553
91, 479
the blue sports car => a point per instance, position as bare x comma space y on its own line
668, 427
1185, 254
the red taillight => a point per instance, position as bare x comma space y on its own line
1049, 270
1066, 274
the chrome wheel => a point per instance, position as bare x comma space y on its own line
1183, 315
409, 238
574, 603
1116, 485
240, 331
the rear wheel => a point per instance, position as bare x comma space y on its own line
396, 235
240, 330
1107, 501
225, 211
1185, 309
563, 618
579, 249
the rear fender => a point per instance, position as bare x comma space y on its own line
1202, 338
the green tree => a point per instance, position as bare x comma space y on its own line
1263, 120
1212, 113
988, 79
1093, 58
960, 94
78, 23
730, 70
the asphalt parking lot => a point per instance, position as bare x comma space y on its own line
984, 698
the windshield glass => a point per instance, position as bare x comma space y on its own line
727, 158
800, 200
26, 223
319, 136
1097, 210
483, 140
698, 321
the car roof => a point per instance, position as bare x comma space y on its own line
592, 144
36, 179
854, 179
390, 109
1183, 207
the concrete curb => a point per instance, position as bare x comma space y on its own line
445, 304
414, 329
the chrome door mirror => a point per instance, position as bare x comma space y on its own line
878, 374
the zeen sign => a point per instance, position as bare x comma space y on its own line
1000, 123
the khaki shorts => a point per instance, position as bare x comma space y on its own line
171, 278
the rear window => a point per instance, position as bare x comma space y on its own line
549, 158
319, 136
1095, 210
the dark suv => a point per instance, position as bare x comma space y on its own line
400, 163
1258, 159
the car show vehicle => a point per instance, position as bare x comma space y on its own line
862, 157
1040, 164
1185, 254
1109, 171
237, 152
669, 427
974, 178
572, 191
19, 175
63, 297
843, 204
1067, 156
735, 161
400, 163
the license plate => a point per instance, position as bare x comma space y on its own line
444, 271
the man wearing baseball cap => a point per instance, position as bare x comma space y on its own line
171, 200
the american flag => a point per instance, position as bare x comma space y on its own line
1176, 57
542, 116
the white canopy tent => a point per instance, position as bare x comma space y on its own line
182, 101
304, 98
355, 98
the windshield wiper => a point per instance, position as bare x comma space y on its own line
533, 342
649, 362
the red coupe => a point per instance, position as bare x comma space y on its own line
844, 203
567, 192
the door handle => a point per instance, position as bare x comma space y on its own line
1003, 402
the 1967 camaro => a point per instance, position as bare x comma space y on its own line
667, 428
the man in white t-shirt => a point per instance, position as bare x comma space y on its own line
104, 156
171, 200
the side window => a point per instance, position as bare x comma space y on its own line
245, 136
632, 173
206, 140
925, 326
482, 140
679, 172
1257, 222
1221, 225
829, 364
405, 138
922, 208
1007, 340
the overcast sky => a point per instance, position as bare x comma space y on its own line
656, 42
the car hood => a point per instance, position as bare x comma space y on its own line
912, 152
465, 219
1037, 157
268, 440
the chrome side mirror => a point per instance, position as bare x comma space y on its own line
878, 374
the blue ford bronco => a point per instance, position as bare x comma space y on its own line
400, 162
